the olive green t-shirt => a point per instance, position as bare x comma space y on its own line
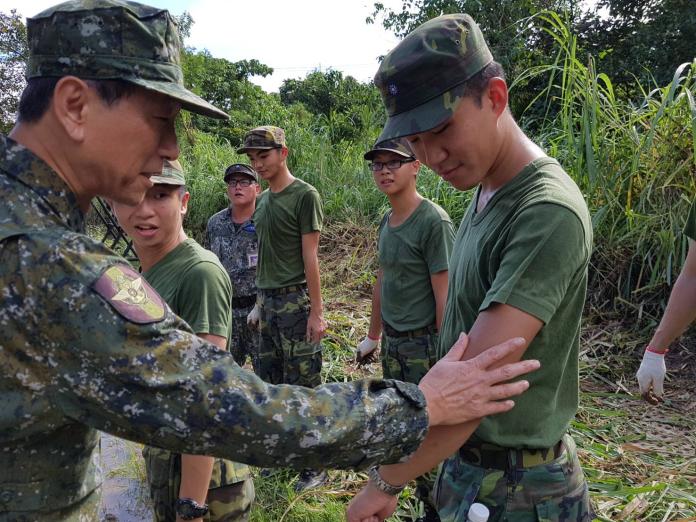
281, 218
408, 255
196, 287
528, 248
690, 225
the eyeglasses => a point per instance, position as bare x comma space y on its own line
241, 182
376, 166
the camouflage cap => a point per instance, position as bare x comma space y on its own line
398, 146
263, 138
172, 174
423, 78
241, 168
112, 40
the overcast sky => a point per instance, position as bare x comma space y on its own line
294, 37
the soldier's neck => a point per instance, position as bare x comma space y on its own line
281, 180
242, 213
150, 255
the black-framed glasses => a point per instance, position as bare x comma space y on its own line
241, 182
376, 166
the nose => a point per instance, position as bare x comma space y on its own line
169, 145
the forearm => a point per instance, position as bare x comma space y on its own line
311, 267
680, 312
440, 443
196, 471
375, 329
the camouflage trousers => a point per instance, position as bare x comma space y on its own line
555, 491
229, 498
86, 510
409, 359
285, 356
244, 341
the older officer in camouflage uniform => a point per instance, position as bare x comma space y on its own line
518, 267
86, 344
231, 235
197, 288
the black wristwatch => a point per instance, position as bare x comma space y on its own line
189, 509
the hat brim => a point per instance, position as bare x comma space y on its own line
244, 150
423, 117
166, 180
189, 101
370, 154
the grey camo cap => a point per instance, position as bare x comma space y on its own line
423, 78
398, 146
112, 40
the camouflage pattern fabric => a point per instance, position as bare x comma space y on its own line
236, 246
552, 492
230, 502
263, 138
285, 357
85, 510
409, 359
415, 92
73, 364
398, 146
108, 40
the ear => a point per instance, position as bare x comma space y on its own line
497, 94
416, 167
72, 101
284, 152
184, 202
258, 188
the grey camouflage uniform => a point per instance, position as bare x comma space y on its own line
236, 246
86, 345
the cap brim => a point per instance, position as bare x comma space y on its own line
371, 153
423, 117
244, 150
239, 173
162, 180
189, 101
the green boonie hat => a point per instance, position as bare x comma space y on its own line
263, 138
241, 168
112, 40
398, 146
422, 79
172, 174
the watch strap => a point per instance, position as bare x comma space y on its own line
381, 484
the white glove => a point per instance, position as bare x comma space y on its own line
651, 373
365, 348
254, 316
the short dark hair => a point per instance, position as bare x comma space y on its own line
38, 93
475, 85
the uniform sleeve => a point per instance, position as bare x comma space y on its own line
311, 212
690, 225
546, 251
438, 245
156, 383
205, 299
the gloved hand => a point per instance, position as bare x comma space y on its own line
254, 316
652, 374
365, 351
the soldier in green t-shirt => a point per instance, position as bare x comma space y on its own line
289, 310
196, 287
408, 298
679, 314
518, 267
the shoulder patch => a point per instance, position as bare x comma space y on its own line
130, 295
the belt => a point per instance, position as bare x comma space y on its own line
243, 301
284, 291
392, 332
490, 456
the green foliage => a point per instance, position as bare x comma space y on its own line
13, 55
341, 101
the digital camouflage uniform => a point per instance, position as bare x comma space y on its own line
528, 248
87, 345
236, 246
